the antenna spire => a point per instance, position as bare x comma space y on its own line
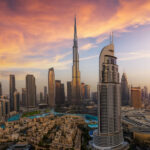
112, 40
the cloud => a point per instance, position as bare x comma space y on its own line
134, 55
89, 57
87, 46
33, 28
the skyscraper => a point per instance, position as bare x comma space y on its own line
82, 91
12, 89
41, 97
62, 93
0, 89
58, 92
124, 90
69, 90
24, 97
75, 70
45, 94
87, 91
51, 88
109, 134
16, 101
136, 97
31, 91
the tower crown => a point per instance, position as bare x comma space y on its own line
75, 33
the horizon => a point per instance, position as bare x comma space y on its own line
40, 38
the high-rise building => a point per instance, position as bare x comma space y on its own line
145, 95
124, 90
16, 101
62, 93
4, 108
58, 92
69, 91
94, 97
109, 134
12, 89
0, 89
51, 88
136, 97
45, 94
31, 91
24, 97
41, 97
82, 91
87, 91
75, 70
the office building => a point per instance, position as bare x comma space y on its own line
31, 91
124, 90
87, 92
82, 91
45, 94
41, 98
24, 97
58, 92
62, 93
136, 97
69, 91
51, 88
16, 101
1, 89
12, 89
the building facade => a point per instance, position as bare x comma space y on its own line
124, 90
58, 92
109, 134
45, 94
16, 101
12, 88
51, 88
24, 97
82, 91
62, 93
31, 91
4, 108
1, 89
136, 97
41, 97
69, 91
75, 70
87, 91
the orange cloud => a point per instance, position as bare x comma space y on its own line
36, 27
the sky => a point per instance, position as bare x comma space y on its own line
36, 35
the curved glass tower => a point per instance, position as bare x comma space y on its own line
51, 88
109, 134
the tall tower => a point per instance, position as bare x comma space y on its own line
51, 88
16, 101
124, 90
12, 89
109, 134
75, 70
1, 89
45, 94
69, 91
24, 97
31, 91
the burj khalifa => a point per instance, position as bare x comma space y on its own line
75, 70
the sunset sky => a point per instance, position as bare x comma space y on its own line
38, 34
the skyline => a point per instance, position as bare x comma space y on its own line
39, 38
